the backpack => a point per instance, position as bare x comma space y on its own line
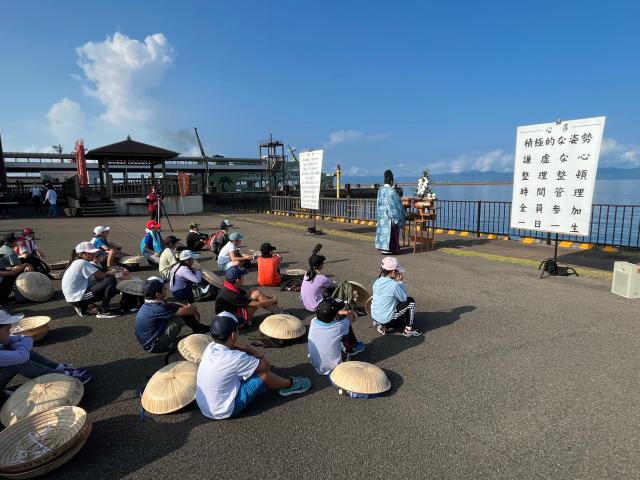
345, 292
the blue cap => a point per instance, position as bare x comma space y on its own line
235, 236
234, 273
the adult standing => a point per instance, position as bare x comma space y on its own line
52, 197
152, 204
390, 215
36, 198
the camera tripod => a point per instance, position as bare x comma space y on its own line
161, 210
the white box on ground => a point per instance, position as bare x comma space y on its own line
310, 173
626, 280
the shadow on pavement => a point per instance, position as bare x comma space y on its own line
64, 334
597, 259
432, 320
386, 346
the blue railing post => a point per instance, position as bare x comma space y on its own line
478, 218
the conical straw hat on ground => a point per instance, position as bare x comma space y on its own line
60, 265
132, 287
192, 347
360, 377
34, 327
37, 440
171, 388
296, 272
360, 293
35, 286
133, 260
212, 278
282, 327
41, 394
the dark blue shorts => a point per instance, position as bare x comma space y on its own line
249, 390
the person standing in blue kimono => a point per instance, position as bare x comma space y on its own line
390, 215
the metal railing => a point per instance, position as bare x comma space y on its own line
617, 225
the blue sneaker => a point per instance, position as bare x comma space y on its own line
83, 375
298, 385
356, 349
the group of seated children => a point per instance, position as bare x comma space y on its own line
17, 357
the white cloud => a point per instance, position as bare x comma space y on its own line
615, 154
496, 160
122, 71
66, 120
344, 136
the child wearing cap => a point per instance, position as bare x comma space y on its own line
195, 239
221, 238
83, 283
183, 276
230, 376
269, 266
230, 254
10, 267
108, 251
17, 356
158, 323
28, 251
241, 303
315, 285
391, 307
169, 257
331, 338
151, 244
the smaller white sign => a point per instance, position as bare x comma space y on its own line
310, 174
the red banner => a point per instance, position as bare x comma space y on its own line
184, 184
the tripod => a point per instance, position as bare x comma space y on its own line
160, 210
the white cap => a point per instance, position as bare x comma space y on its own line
86, 247
7, 319
101, 229
187, 254
391, 263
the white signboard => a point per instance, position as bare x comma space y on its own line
310, 173
555, 174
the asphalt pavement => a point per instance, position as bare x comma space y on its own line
516, 377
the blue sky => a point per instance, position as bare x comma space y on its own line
402, 85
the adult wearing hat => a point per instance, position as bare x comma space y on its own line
169, 256
17, 356
158, 322
391, 306
151, 244
331, 338
269, 266
315, 285
152, 203
196, 240
233, 299
221, 238
83, 283
109, 252
230, 255
28, 251
391, 217
183, 277
10, 267
231, 376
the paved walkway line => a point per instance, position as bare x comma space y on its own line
302, 228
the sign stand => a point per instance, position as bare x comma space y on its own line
551, 267
313, 229
310, 174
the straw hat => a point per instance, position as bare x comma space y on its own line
37, 440
171, 388
360, 377
60, 265
212, 278
34, 327
132, 287
296, 272
367, 306
35, 286
41, 394
282, 327
192, 347
133, 260
360, 294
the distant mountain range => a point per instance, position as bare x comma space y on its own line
604, 173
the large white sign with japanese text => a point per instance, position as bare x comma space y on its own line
555, 174
310, 173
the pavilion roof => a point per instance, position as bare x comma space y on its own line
131, 152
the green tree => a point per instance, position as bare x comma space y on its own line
224, 182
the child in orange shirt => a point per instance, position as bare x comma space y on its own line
269, 267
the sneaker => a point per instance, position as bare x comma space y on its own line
411, 332
83, 375
356, 349
106, 314
79, 311
298, 385
382, 330
92, 309
133, 310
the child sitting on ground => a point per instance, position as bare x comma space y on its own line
269, 266
230, 255
391, 307
158, 323
315, 286
231, 376
18, 357
331, 338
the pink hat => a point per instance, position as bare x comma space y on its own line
390, 264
